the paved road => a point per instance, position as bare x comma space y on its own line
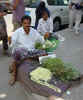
70, 51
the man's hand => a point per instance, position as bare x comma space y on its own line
47, 34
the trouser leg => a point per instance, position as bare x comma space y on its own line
71, 18
78, 19
5, 43
14, 73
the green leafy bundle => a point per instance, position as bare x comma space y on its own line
46, 45
62, 71
38, 45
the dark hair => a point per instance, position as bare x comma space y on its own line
42, 4
45, 10
25, 17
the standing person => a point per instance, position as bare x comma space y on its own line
39, 10
18, 12
75, 13
3, 31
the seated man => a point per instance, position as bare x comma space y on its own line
22, 42
45, 25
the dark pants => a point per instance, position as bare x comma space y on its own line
5, 42
36, 24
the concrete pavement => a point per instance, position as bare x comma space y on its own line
71, 50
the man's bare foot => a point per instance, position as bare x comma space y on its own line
55, 98
10, 68
52, 98
12, 80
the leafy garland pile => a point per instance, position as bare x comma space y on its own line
46, 45
62, 71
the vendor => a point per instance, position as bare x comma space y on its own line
45, 25
22, 42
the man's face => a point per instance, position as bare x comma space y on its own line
45, 16
26, 25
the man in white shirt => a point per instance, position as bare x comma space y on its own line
45, 25
25, 37
22, 42
75, 13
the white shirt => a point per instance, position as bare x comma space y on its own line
22, 40
75, 1
45, 26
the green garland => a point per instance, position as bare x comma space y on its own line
48, 44
63, 71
